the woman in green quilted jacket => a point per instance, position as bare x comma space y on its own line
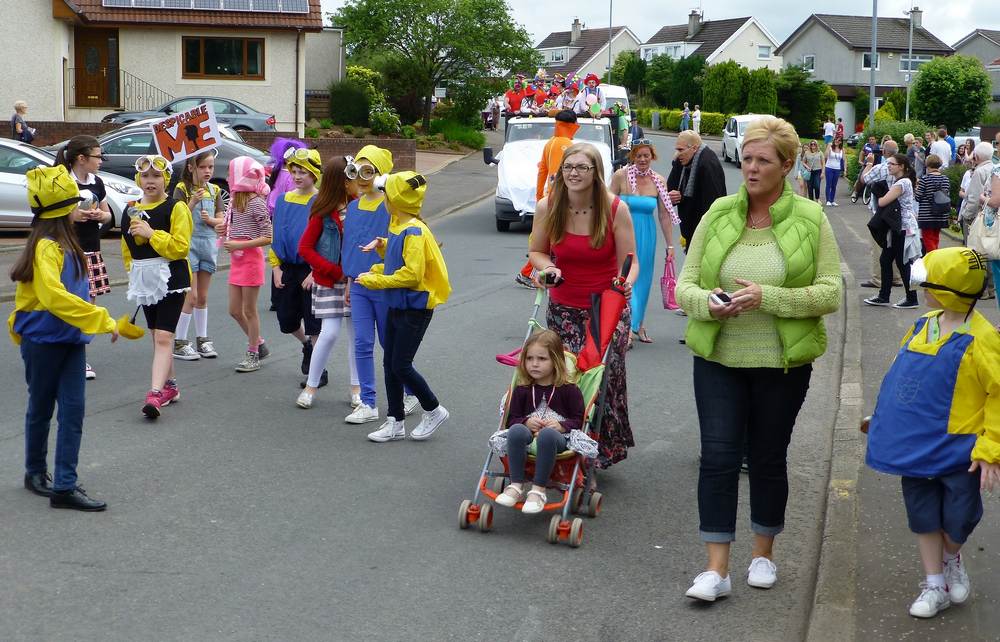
761, 271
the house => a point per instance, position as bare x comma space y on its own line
837, 50
984, 44
744, 40
89, 57
583, 51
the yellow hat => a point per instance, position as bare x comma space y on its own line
52, 192
380, 158
405, 191
307, 159
955, 276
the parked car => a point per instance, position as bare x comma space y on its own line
235, 114
123, 146
732, 137
974, 133
854, 139
16, 158
517, 163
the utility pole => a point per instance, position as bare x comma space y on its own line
909, 64
611, 19
873, 63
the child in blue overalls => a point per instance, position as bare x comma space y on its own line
937, 421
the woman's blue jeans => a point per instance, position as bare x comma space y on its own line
756, 405
832, 178
54, 372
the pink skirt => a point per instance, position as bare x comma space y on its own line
246, 267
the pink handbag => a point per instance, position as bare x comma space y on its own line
667, 284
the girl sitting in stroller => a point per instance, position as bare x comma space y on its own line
544, 410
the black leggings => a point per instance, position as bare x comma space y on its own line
815, 177
551, 442
893, 253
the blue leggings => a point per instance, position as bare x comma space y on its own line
368, 313
832, 178
551, 442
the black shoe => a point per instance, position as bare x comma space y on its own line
877, 300
262, 351
307, 353
906, 304
39, 484
870, 284
323, 380
76, 499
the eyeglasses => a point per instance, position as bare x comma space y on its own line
580, 169
302, 154
152, 161
681, 150
101, 156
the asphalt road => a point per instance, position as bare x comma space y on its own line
238, 516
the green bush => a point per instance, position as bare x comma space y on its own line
712, 123
670, 119
853, 167
348, 129
384, 120
312, 132
349, 104
954, 174
762, 92
453, 132
409, 131
326, 123
896, 129
991, 117
644, 116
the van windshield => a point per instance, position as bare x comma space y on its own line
588, 132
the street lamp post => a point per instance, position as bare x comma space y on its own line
611, 19
873, 63
909, 65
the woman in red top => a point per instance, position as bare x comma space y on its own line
581, 235
321, 246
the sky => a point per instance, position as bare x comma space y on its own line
949, 20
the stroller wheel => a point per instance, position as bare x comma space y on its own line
463, 513
485, 518
594, 505
576, 501
553, 535
497, 484
576, 532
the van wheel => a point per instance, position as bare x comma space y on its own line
737, 160
503, 226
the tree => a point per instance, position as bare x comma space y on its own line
629, 71
672, 82
438, 40
861, 105
725, 88
762, 93
802, 101
659, 79
896, 98
953, 91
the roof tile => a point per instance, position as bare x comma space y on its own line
590, 42
92, 12
711, 34
893, 33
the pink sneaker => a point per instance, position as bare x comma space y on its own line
169, 393
154, 401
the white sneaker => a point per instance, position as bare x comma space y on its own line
391, 430
90, 374
305, 400
429, 423
184, 351
829, 204
362, 415
410, 404
957, 580
709, 586
835, 203
355, 400
932, 600
762, 573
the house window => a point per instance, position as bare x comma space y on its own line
224, 58
558, 55
866, 61
907, 63
763, 52
809, 62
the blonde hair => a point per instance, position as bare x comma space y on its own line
241, 200
907, 138
933, 161
689, 137
558, 218
20, 106
777, 131
554, 347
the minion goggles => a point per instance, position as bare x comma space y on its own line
152, 161
301, 154
353, 171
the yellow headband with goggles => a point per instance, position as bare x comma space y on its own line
353, 171
307, 159
153, 162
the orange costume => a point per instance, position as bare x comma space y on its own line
552, 156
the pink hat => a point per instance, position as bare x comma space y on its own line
247, 175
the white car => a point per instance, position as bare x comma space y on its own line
732, 137
16, 158
517, 162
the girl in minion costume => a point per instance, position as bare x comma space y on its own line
53, 321
937, 421
414, 279
156, 238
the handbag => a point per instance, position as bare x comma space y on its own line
668, 283
984, 234
942, 203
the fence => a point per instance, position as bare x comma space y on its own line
112, 88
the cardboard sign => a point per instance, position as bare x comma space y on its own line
186, 134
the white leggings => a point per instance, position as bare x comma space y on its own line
327, 338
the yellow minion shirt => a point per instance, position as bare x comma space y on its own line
414, 275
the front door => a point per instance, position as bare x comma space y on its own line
96, 67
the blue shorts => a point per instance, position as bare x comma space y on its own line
950, 503
828, 139
203, 253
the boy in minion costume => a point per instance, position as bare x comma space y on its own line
414, 279
937, 421
53, 321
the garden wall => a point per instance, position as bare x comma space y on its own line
54, 131
404, 150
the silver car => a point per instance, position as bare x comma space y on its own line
16, 158
228, 111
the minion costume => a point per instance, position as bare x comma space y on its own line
939, 404
159, 274
53, 321
291, 214
414, 279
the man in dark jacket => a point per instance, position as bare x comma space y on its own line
696, 180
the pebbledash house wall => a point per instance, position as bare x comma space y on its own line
37, 49
599, 65
743, 49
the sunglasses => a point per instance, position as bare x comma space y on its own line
152, 161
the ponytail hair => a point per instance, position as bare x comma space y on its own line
77, 146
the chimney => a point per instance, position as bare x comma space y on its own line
694, 23
575, 33
916, 15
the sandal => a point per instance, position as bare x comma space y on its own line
535, 503
643, 337
510, 496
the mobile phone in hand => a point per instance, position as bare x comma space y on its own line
720, 298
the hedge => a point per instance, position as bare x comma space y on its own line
897, 129
670, 120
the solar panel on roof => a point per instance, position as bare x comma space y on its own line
269, 6
295, 6
237, 5
117, 3
206, 4
176, 4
